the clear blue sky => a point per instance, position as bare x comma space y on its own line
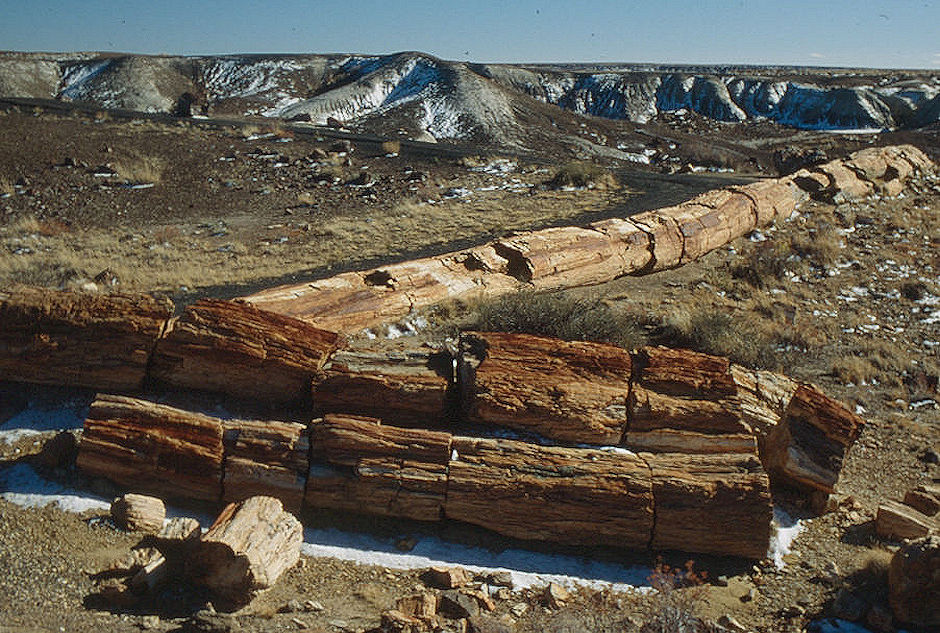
887, 34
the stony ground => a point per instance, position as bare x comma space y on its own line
846, 296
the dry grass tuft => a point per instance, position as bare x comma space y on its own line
702, 328
584, 175
135, 168
391, 147
556, 315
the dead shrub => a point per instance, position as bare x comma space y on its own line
913, 290
703, 329
6, 187
391, 147
854, 370
821, 246
764, 264
559, 316
136, 168
584, 175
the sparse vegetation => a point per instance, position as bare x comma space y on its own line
391, 147
582, 174
136, 168
557, 315
704, 329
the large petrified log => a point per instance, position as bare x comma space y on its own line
246, 549
717, 504
684, 373
78, 339
569, 495
269, 458
406, 386
235, 348
153, 448
807, 448
568, 391
364, 466
564, 257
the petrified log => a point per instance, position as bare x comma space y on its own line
682, 372
568, 391
563, 256
714, 504
664, 423
634, 244
405, 386
807, 448
266, 458
138, 513
774, 199
568, 495
763, 397
899, 521
153, 448
925, 498
712, 219
364, 466
246, 549
666, 241
76, 339
235, 348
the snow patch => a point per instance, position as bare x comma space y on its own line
781, 543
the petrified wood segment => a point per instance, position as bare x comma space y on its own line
717, 504
364, 466
77, 339
406, 386
666, 241
246, 549
153, 448
235, 348
266, 458
568, 495
807, 448
567, 391
682, 372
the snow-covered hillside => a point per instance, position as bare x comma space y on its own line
420, 94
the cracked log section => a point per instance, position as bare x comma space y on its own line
237, 349
78, 339
407, 386
568, 257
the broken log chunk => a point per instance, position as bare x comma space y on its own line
924, 498
76, 339
633, 243
566, 495
807, 448
651, 410
763, 397
346, 439
237, 349
267, 458
365, 466
407, 386
682, 372
138, 513
712, 504
246, 549
153, 448
562, 257
899, 521
178, 538
380, 486
666, 241
691, 442
567, 391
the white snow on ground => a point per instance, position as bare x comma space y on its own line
835, 625
36, 419
22, 485
781, 543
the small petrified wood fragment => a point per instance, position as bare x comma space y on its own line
567, 391
246, 549
77, 339
237, 349
153, 448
